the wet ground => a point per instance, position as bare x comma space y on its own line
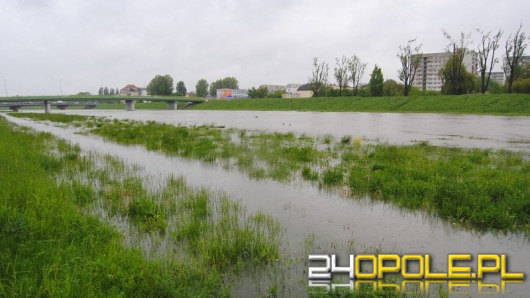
320, 221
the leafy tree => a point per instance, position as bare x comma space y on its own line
521, 86
457, 51
489, 44
111, 91
100, 92
106, 91
260, 92
465, 82
160, 85
376, 82
117, 91
410, 59
319, 78
276, 94
494, 87
226, 83
393, 88
524, 71
514, 47
341, 73
181, 89
356, 70
333, 92
201, 88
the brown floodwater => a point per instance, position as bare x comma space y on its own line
321, 221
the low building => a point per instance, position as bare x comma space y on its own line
292, 88
273, 88
133, 90
231, 94
303, 91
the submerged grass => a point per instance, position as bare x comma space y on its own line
59, 210
482, 189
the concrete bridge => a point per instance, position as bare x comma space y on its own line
16, 106
63, 101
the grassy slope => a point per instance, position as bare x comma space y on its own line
48, 247
494, 104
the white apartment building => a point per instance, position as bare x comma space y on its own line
524, 60
498, 76
273, 88
427, 75
292, 88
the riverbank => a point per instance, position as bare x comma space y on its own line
493, 195
77, 222
484, 104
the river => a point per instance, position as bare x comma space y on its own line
333, 221
479, 131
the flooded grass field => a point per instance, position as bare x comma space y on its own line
321, 192
65, 214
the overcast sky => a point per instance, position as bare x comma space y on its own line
80, 45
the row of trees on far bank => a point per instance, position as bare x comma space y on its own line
163, 85
348, 72
456, 79
108, 91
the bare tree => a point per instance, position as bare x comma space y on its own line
410, 59
356, 69
341, 73
457, 50
319, 78
514, 53
489, 44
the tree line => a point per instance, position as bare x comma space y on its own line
456, 79
108, 91
348, 72
163, 85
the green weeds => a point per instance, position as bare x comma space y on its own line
72, 223
482, 189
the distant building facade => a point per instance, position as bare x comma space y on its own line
231, 93
428, 73
292, 88
132, 90
304, 91
498, 76
273, 88
525, 60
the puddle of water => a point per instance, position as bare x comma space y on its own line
304, 210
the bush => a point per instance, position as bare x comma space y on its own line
521, 86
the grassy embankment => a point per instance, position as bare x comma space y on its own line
492, 104
58, 215
482, 189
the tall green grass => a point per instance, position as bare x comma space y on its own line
58, 213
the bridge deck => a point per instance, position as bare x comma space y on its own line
98, 98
